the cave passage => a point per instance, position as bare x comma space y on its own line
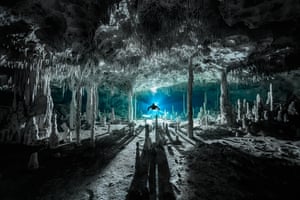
147, 99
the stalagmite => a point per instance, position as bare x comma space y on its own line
239, 109
258, 108
292, 109
248, 113
266, 117
33, 161
31, 132
244, 110
270, 97
255, 112
280, 114
190, 99
54, 139
206, 119
244, 122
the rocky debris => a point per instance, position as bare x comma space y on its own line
222, 172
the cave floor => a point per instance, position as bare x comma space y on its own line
217, 164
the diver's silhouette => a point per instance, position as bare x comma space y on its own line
153, 107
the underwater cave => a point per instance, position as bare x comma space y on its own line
149, 99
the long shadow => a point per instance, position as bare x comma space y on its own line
165, 189
139, 185
152, 176
174, 143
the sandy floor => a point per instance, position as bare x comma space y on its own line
216, 164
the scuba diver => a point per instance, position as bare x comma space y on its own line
153, 107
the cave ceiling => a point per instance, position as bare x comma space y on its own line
141, 44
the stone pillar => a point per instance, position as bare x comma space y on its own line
135, 110
190, 99
130, 106
183, 104
271, 97
78, 113
225, 106
93, 114
113, 117
72, 111
49, 109
257, 108
88, 110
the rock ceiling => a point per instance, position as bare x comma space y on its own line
146, 43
